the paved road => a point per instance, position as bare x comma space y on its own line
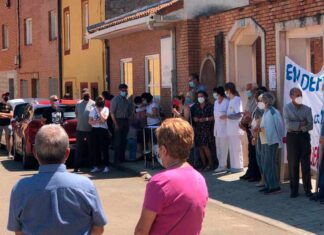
122, 195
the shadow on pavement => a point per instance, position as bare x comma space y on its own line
298, 212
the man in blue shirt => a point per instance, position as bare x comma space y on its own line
55, 201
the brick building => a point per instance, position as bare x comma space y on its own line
38, 73
8, 48
219, 40
29, 61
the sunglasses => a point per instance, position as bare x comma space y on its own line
55, 99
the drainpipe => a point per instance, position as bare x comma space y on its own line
107, 75
18, 62
174, 63
59, 41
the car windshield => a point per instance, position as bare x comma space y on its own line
38, 113
19, 110
69, 112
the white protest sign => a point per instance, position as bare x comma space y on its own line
311, 86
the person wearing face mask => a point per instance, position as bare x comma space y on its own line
220, 108
83, 130
233, 117
53, 114
175, 199
6, 114
195, 86
272, 127
253, 173
99, 134
255, 128
121, 111
299, 121
204, 121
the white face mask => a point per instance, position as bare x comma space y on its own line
227, 94
215, 96
201, 100
299, 100
261, 105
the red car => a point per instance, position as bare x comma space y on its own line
26, 126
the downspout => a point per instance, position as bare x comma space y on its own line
59, 37
18, 56
107, 75
174, 91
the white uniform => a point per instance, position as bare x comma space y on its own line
220, 132
234, 133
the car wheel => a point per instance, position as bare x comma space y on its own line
25, 160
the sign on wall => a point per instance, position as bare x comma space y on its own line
311, 86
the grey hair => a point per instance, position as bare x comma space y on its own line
51, 143
294, 90
268, 98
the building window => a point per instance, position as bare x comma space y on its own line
69, 89
152, 75
94, 90
5, 37
35, 88
82, 86
53, 86
28, 31
23, 89
11, 88
67, 35
126, 77
52, 24
85, 24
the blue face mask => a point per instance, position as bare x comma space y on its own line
123, 93
188, 100
192, 84
248, 94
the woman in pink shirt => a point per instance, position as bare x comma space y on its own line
175, 199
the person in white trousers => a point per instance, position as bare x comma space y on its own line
220, 131
234, 133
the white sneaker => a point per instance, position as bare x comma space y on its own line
10, 156
95, 170
220, 169
105, 170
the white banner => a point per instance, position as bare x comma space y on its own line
311, 86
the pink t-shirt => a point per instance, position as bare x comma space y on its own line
179, 198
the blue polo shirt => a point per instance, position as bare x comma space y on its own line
55, 201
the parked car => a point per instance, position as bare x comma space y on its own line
26, 126
18, 106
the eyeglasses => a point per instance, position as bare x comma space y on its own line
55, 99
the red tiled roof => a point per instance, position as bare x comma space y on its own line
137, 14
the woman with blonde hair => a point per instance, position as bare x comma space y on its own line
175, 199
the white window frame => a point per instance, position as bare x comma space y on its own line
122, 75
53, 25
67, 30
147, 58
5, 37
85, 22
29, 31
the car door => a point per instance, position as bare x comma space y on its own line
21, 125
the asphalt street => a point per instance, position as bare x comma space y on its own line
122, 194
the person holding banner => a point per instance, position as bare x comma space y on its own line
299, 121
234, 133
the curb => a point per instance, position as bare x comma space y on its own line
261, 218
146, 176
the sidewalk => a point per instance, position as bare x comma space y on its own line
299, 215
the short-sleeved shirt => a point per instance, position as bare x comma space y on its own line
5, 108
149, 110
82, 110
53, 116
220, 109
55, 202
95, 115
178, 196
121, 107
